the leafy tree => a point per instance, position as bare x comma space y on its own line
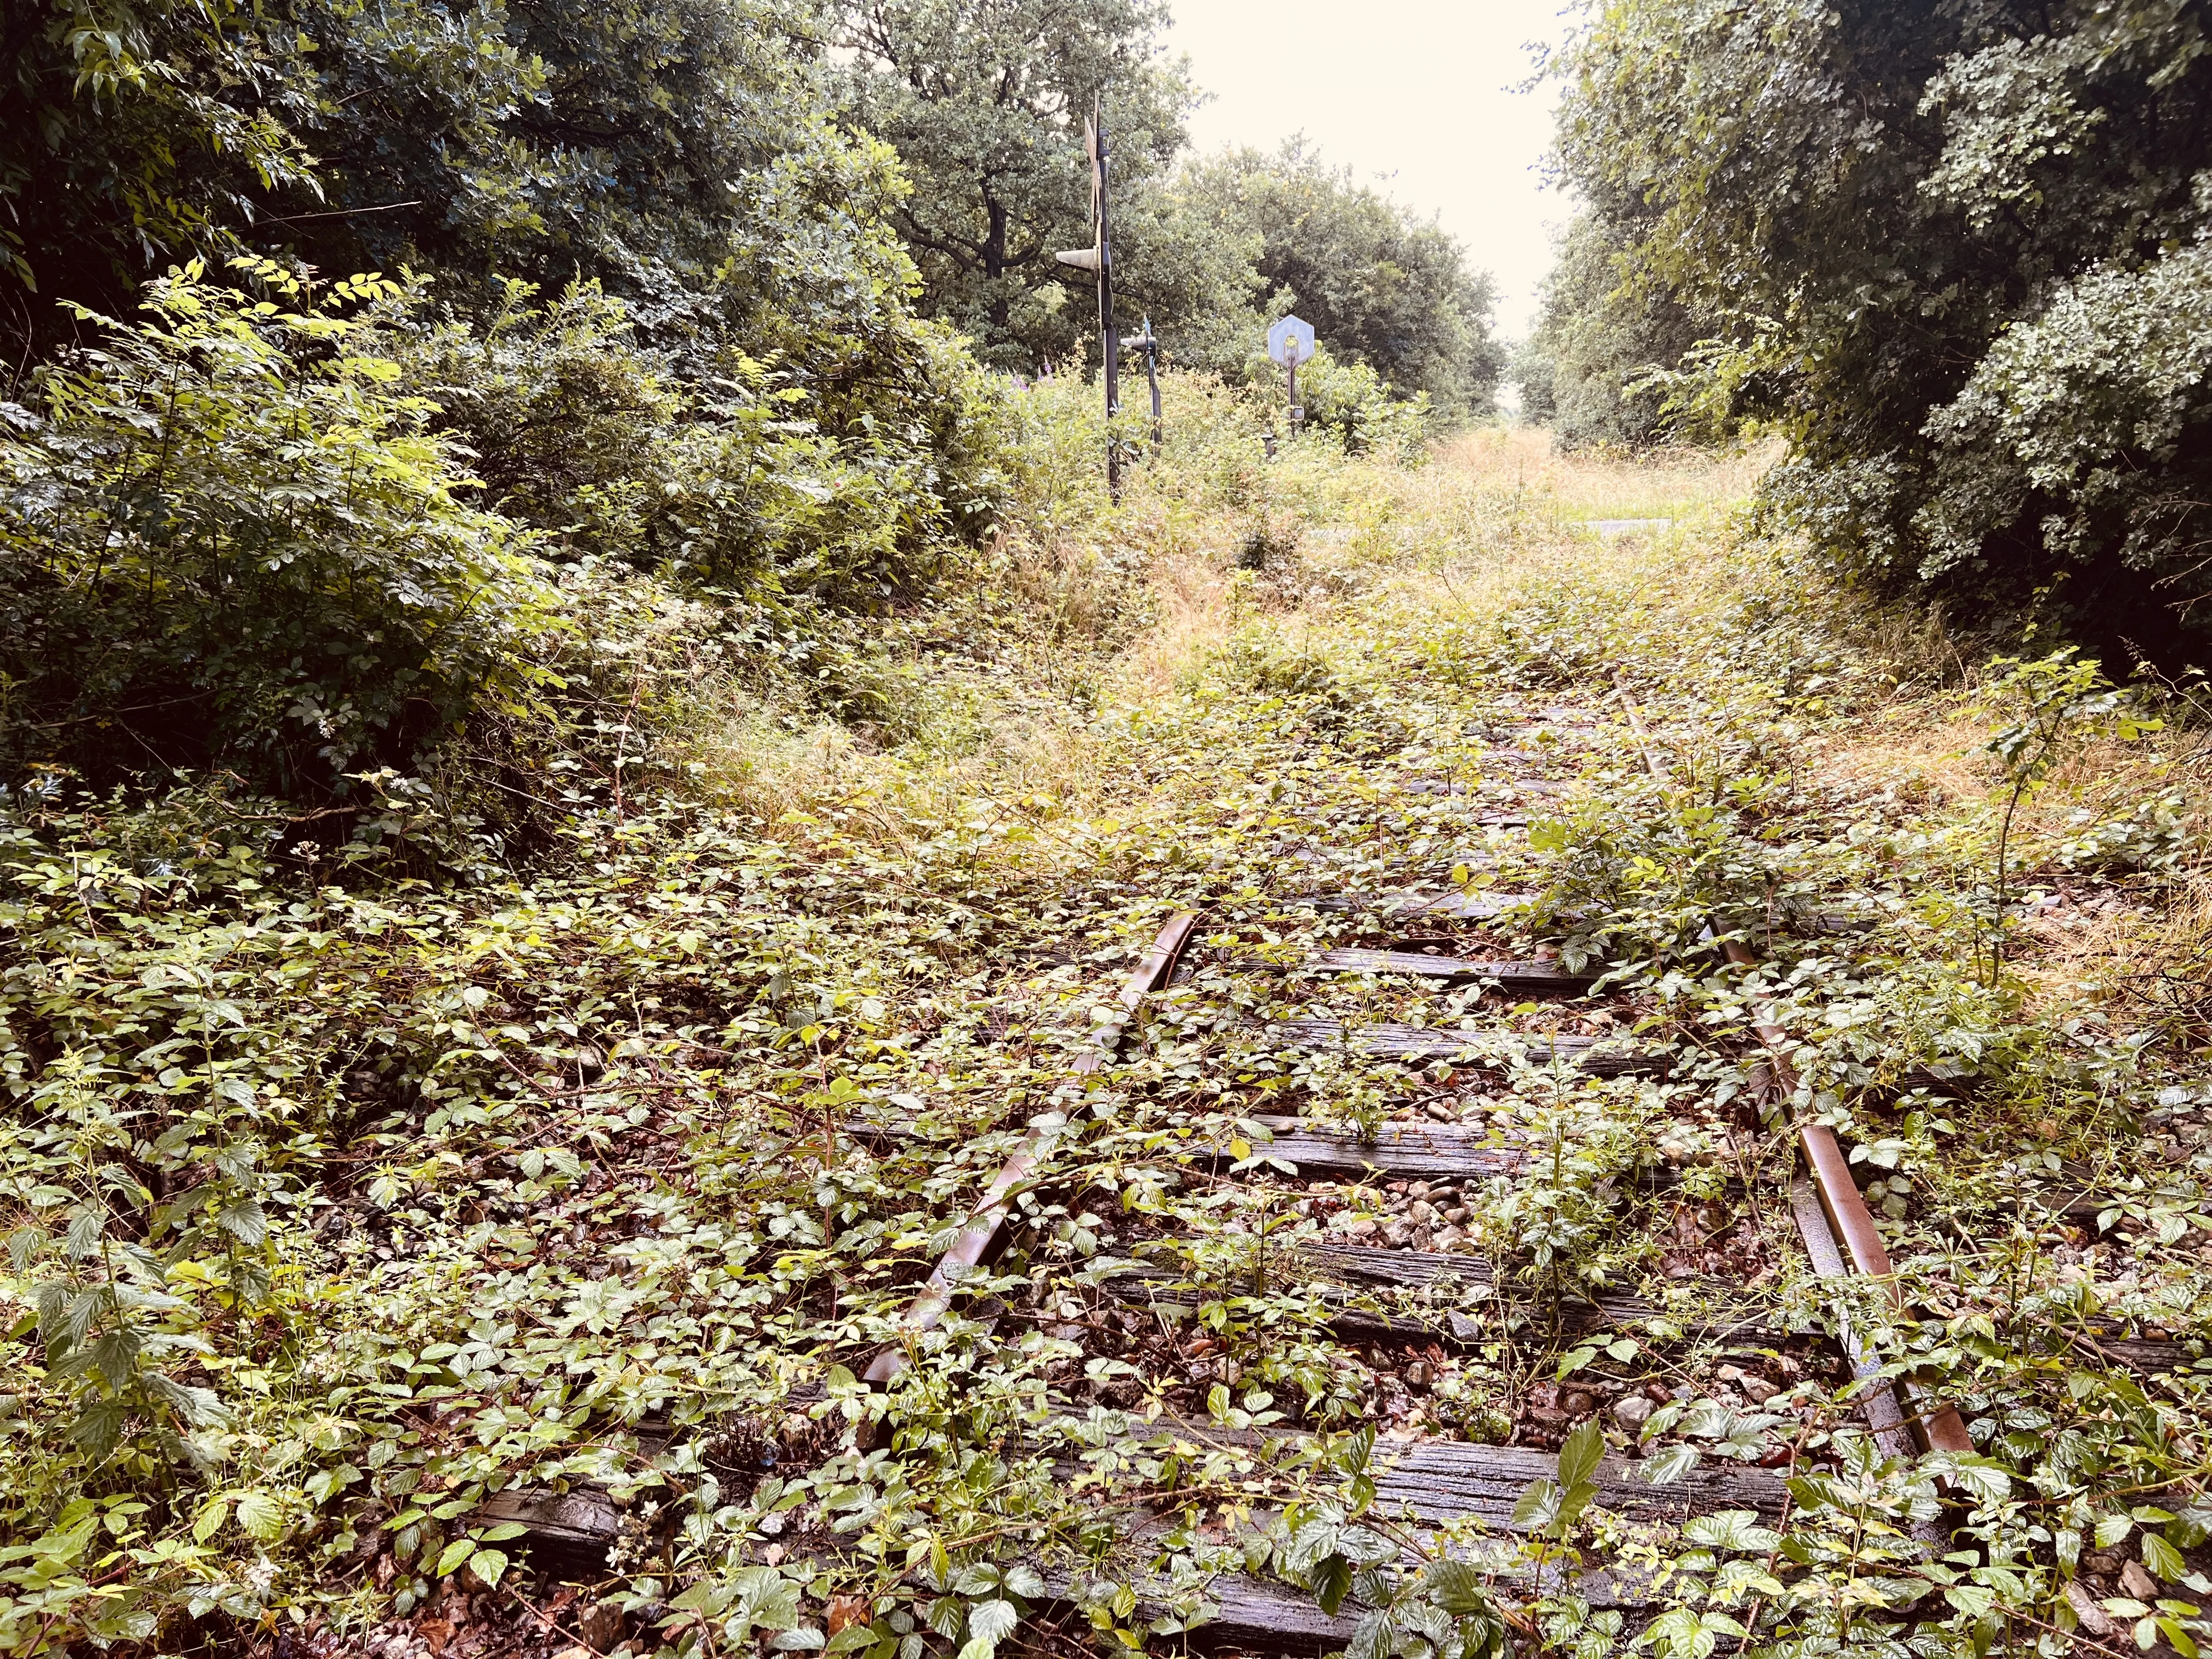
1958, 255
1588, 367
1380, 286
985, 104
1530, 368
134, 135
677, 154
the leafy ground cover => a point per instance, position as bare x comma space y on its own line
341, 1202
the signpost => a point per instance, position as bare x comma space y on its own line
1149, 344
1290, 343
1099, 258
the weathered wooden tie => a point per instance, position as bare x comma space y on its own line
1596, 1057
1451, 905
1413, 1151
1345, 1274
1528, 976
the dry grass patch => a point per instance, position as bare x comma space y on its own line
1571, 486
1920, 750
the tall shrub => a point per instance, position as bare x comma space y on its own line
228, 536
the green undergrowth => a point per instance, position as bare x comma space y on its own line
347, 1189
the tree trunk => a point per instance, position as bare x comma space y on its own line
994, 265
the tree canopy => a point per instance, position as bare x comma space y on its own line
1381, 286
1600, 338
985, 104
679, 154
1958, 257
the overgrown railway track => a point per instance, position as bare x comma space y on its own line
1407, 1298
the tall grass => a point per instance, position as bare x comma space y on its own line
1570, 486
1019, 679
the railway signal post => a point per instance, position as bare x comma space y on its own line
1099, 258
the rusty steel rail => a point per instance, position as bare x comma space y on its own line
992, 1209
1836, 1227
1846, 1222
1877, 1399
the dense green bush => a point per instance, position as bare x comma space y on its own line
229, 538
1351, 401
2092, 412
745, 474
244, 533
1957, 256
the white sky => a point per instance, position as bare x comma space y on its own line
1416, 91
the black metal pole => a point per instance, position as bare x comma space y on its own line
1153, 378
1109, 343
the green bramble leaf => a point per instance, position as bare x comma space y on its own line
212, 1515
1579, 1457
261, 1515
2162, 1557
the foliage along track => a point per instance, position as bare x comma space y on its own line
1404, 1310
1838, 1218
